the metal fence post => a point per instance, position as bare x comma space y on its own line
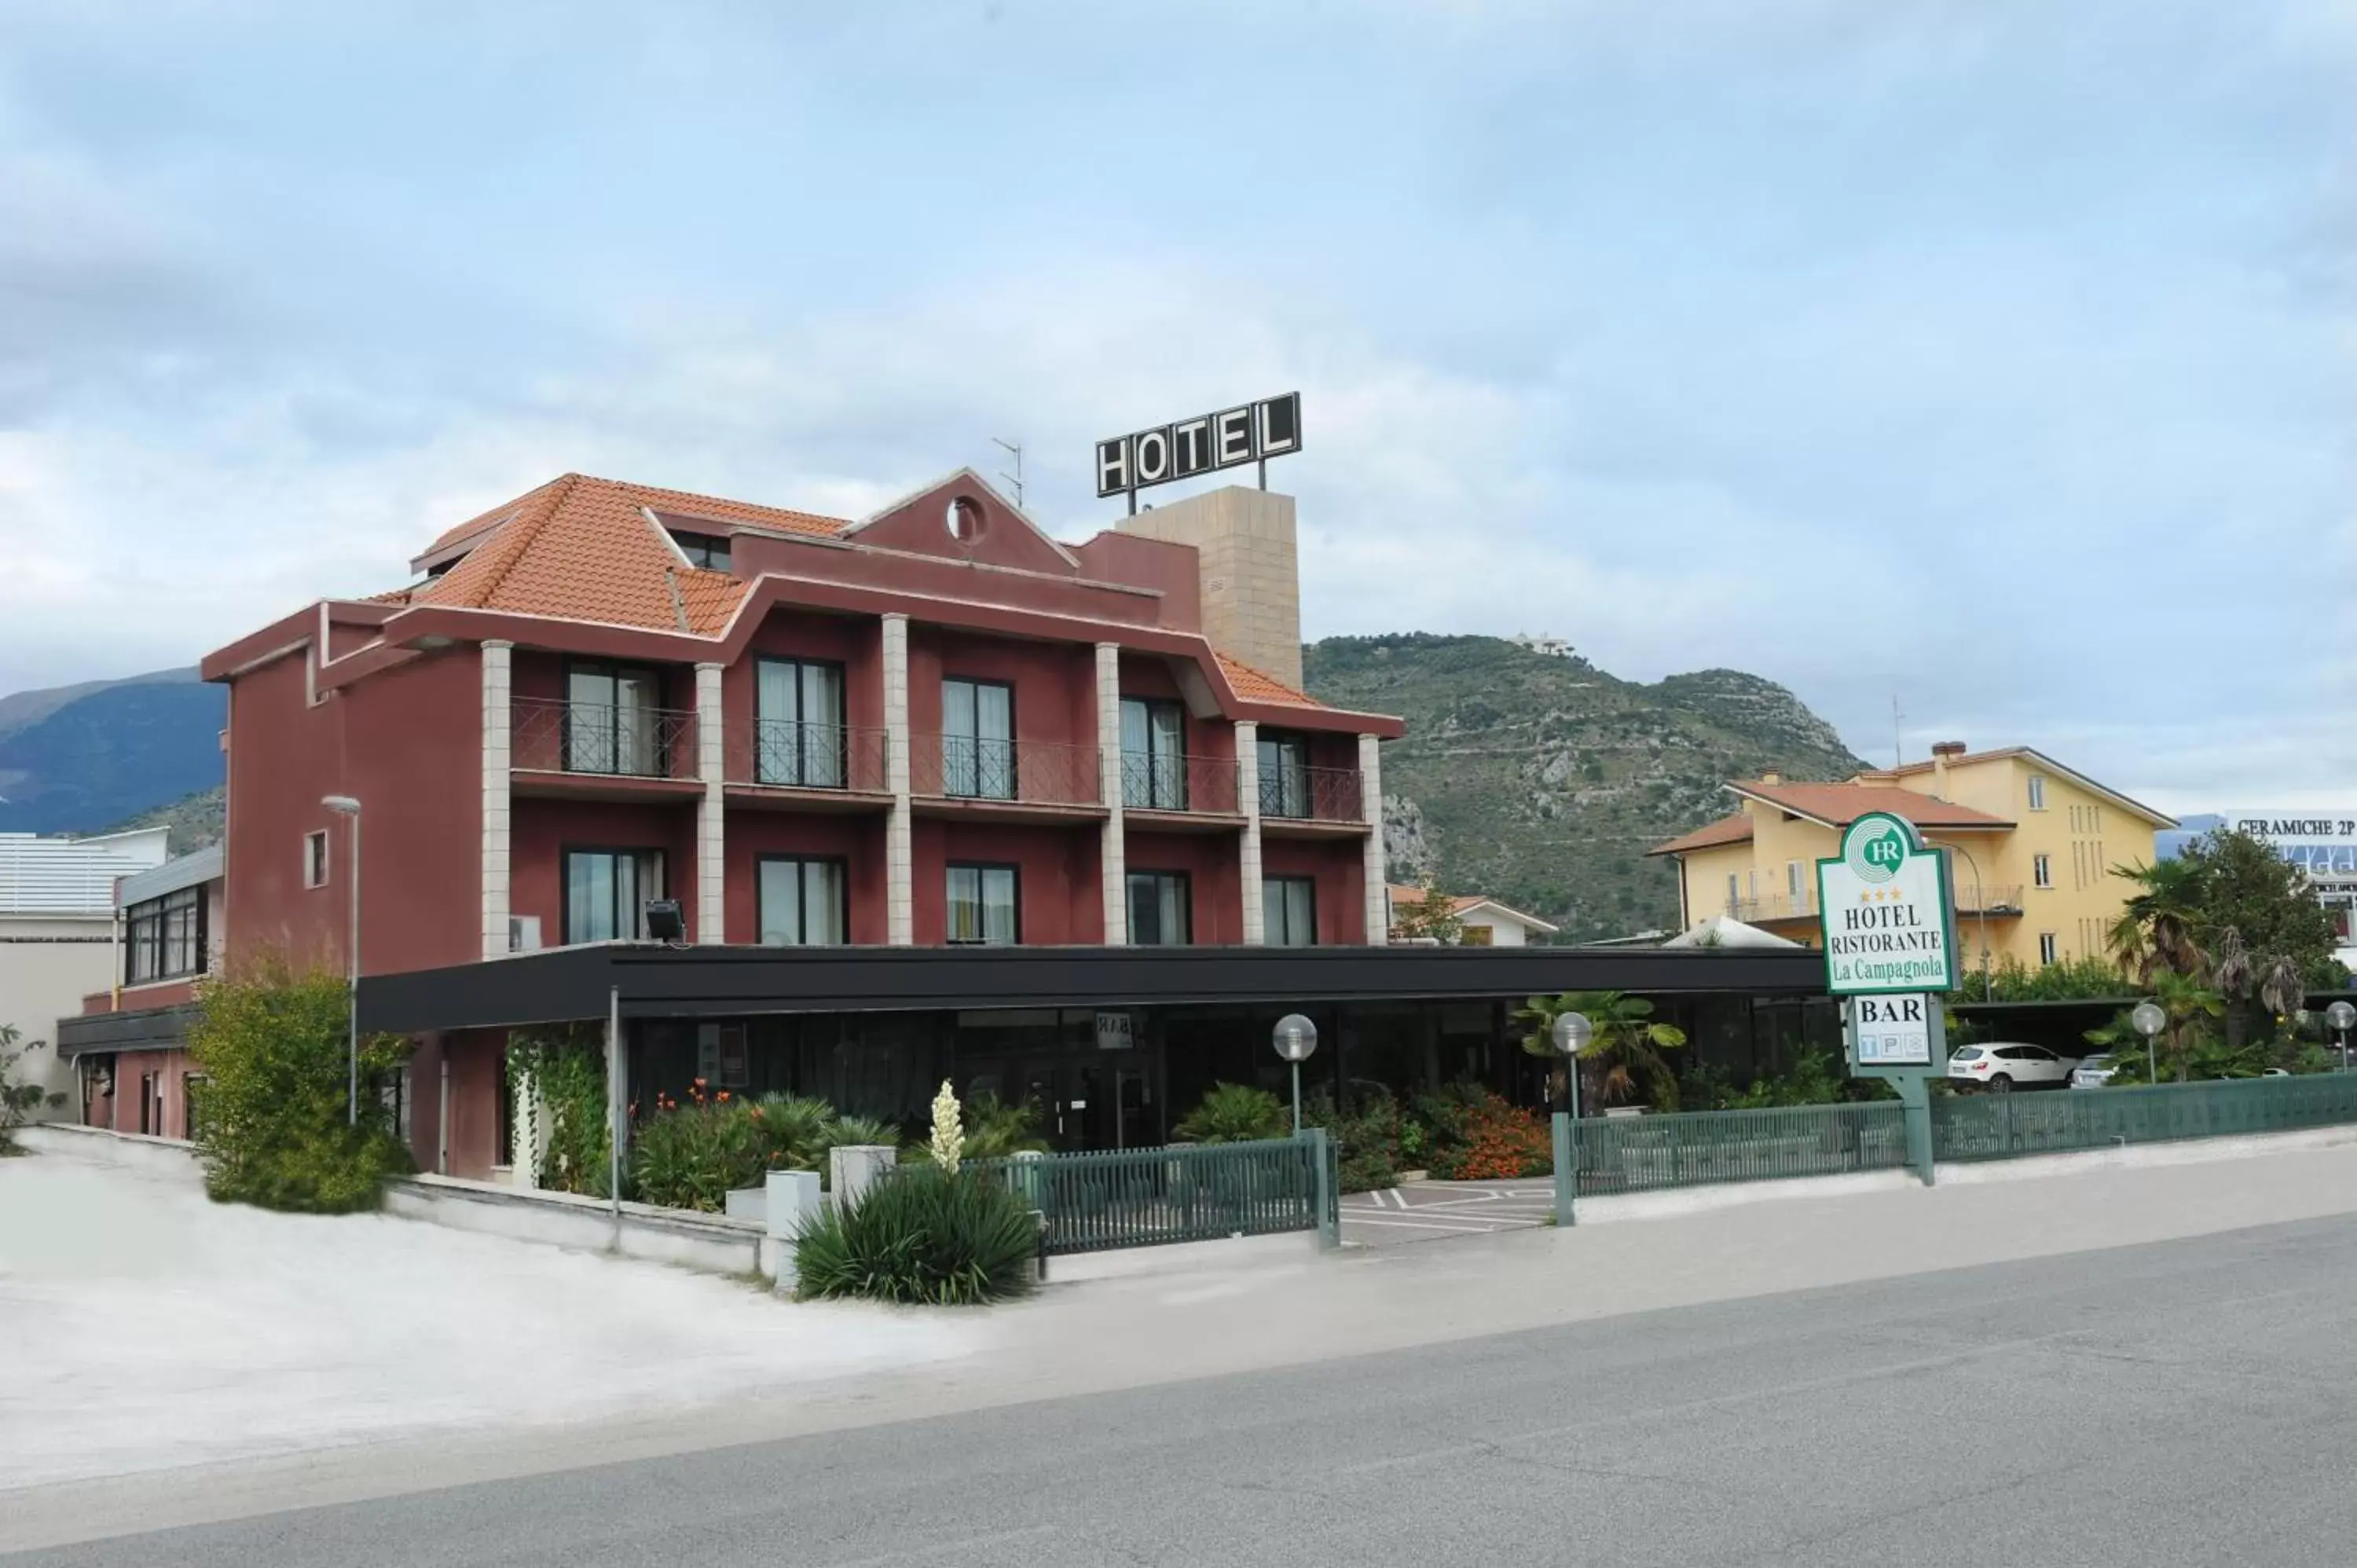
1915, 1095
1567, 1172
1329, 1216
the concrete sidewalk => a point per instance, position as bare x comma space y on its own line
1129, 1333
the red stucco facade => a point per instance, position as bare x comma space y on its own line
386, 702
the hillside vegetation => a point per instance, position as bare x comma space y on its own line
1541, 780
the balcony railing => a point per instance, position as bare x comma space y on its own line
1158, 782
786, 755
1802, 906
1312, 794
964, 767
1991, 900
552, 735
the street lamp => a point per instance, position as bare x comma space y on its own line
1295, 1039
2149, 1020
345, 806
1572, 1031
2341, 1015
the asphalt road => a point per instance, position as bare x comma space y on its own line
2186, 1402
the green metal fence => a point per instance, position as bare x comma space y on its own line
1148, 1198
1644, 1153
2003, 1126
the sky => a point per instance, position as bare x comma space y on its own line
1996, 357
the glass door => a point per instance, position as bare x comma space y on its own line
978, 739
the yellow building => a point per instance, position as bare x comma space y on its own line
2034, 843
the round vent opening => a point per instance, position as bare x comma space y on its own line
964, 520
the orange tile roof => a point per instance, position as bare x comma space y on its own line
1841, 804
710, 507
1734, 829
1258, 686
582, 549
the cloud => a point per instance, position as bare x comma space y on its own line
1987, 354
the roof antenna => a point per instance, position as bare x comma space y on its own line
1015, 479
1897, 758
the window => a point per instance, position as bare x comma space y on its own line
315, 859
978, 739
1158, 909
1289, 911
983, 906
2041, 871
1153, 771
392, 1093
606, 892
1794, 886
612, 720
151, 1105
1734, 892
2038, 791
2049, 947
709, 550
1284, 776
798, 723
165, 937
804, 902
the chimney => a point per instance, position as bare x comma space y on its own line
1772, 776
1243, 543
1941, 752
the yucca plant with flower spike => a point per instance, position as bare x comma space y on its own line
948, 1146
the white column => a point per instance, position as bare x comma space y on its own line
711, 812
499, 695
1114, 855
1370, 797
1248, 797
900, 880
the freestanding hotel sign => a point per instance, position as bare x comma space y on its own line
1891, 950
1888, 925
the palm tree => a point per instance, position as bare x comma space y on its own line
2187, 1002
1626, 1045
2158, 928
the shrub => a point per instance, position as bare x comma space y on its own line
17, 1101
1474, 1134
276, 1133
1234, 1113
923, 1235
690, 1155
1366, 1133
994, 1130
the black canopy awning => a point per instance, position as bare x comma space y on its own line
654, 981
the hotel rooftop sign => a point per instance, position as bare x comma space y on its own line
1249, 433
1890, 926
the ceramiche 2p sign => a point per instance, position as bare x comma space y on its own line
1889, 925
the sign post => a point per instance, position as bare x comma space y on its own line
1890, 936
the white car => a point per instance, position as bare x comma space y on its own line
2002, 1068
2095, 1072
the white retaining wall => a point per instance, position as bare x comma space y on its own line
713, 1243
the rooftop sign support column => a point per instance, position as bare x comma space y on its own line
1890, 940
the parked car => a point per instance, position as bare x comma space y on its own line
2002, 1068
2095, 1072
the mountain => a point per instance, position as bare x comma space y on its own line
196, 820
74, 758
1538, 779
